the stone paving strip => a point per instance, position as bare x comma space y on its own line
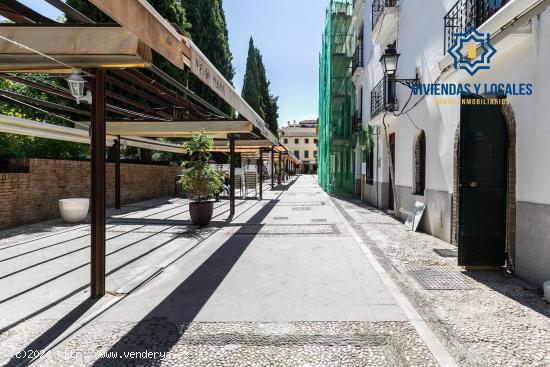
483, 318
224, 344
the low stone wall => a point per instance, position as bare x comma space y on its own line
33, 196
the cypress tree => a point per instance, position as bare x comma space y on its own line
251, 92
209, 32
272, 114
256, 88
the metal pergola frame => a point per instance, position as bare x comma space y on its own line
129, 106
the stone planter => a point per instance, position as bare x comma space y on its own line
74, 210
201, 213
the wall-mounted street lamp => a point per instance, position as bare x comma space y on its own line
76, 87
388, 95
389, 61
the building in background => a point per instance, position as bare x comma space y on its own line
301, 139
337, 133
459, 160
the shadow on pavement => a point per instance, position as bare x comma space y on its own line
27, 354
183, 304
222, 260
285, 186
63, 324
512, 287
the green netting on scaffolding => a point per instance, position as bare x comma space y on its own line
336, 170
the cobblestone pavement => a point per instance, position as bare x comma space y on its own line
353, 344
285, 283
484, 318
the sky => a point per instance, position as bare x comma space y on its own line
288, 34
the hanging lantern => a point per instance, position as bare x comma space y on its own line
76, 87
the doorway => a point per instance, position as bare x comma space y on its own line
482, 184
392, 170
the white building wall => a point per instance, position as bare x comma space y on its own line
520, 58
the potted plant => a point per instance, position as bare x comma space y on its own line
199, 179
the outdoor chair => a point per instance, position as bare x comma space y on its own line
251, 182
239, 185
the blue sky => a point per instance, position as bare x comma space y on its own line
287, 32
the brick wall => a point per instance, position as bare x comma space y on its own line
31, 197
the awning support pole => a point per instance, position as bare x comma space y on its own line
117, 172
285, 172
272, 169
261, 167
280, 169
232, 158
288, 173
98, 185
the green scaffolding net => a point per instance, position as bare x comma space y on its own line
336, 171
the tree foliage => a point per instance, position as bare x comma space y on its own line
19, 146
209, 32
199, 178
256, 88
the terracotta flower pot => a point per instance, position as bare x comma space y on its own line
201, 213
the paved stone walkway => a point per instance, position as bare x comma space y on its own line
484, 318
285, 283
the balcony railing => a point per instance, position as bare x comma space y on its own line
382, 97
467, 14
358, 60
378, 7
357, 122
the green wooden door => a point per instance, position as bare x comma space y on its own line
482, 185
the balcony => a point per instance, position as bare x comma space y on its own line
385, 18
383, 97
358, 59
357, 122
467, 14
499, 18
378, 8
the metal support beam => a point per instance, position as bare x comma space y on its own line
283, 170
272, 169
117, 172
166, 129
280, 170
261, 167
232, 162
98, 185
288, 169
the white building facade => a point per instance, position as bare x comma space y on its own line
301, 139
431, 148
